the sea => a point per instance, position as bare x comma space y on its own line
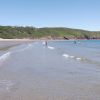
60, 70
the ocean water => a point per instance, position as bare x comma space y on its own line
63, 70
89, 50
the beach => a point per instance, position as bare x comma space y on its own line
6, 43
62, 70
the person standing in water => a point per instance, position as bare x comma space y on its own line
46, 44
75, 42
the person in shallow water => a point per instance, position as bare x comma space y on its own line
45, 43
75, 42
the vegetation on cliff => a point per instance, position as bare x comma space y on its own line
11, 32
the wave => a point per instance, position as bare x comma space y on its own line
4, 56
27, 47
7, 85
49, 47
73, 57
82, 59
23, 48
66, 55
79, 58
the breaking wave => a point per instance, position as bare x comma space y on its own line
7, 85
23, 48
4, 56
73, 57
49, 47
66, 55
81, 59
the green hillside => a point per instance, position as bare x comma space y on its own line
9, 32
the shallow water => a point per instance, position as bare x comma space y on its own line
61, 71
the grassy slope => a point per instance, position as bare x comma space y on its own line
54, 33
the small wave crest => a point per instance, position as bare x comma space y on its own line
81, 59
52, 48
29, 45
7, 85
23, 48
4, 56
66, 55
73, 57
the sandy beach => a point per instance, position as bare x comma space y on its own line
6, 43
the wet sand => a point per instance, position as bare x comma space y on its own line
33, 71
7, 43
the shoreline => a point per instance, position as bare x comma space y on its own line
41, 39
7, 43
16, 40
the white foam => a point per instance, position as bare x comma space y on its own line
49, 47
72, 56
29, 45
24, 48
78, 59
6, 85
66, 55
4, 56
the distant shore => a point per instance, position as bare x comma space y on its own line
51, 33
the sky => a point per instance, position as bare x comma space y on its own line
80, 14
